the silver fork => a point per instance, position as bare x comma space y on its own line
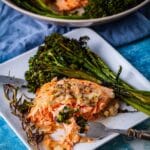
98, 131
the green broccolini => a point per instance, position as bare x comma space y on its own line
66, 113
94, 8
82, 122
64, 57
102, 8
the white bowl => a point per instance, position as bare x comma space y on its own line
76, 22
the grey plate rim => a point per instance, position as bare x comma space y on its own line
76, 22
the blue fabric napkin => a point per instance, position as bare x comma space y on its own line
19, 33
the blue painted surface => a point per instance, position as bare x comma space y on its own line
8, 139
19, 33
138, 54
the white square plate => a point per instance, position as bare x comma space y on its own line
19, 65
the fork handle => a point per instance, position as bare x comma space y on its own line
138, 134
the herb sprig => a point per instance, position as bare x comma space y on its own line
20, 106
67, 112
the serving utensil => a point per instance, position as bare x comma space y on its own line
12, 80
98, 130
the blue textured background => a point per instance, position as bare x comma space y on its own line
130, 36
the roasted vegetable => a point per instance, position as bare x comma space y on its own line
65, 114
82, 122
101, 8
64, 57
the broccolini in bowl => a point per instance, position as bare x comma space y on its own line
76, 12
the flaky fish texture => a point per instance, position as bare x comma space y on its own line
86, 98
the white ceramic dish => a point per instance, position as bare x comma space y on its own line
18, 65
77, 23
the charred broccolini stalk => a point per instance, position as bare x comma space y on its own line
64, 57
102, 8
94, 8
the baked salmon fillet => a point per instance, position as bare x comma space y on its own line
68, 5
62, 104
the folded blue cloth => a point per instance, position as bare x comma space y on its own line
19, 33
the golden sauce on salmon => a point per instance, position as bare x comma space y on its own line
88, 99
